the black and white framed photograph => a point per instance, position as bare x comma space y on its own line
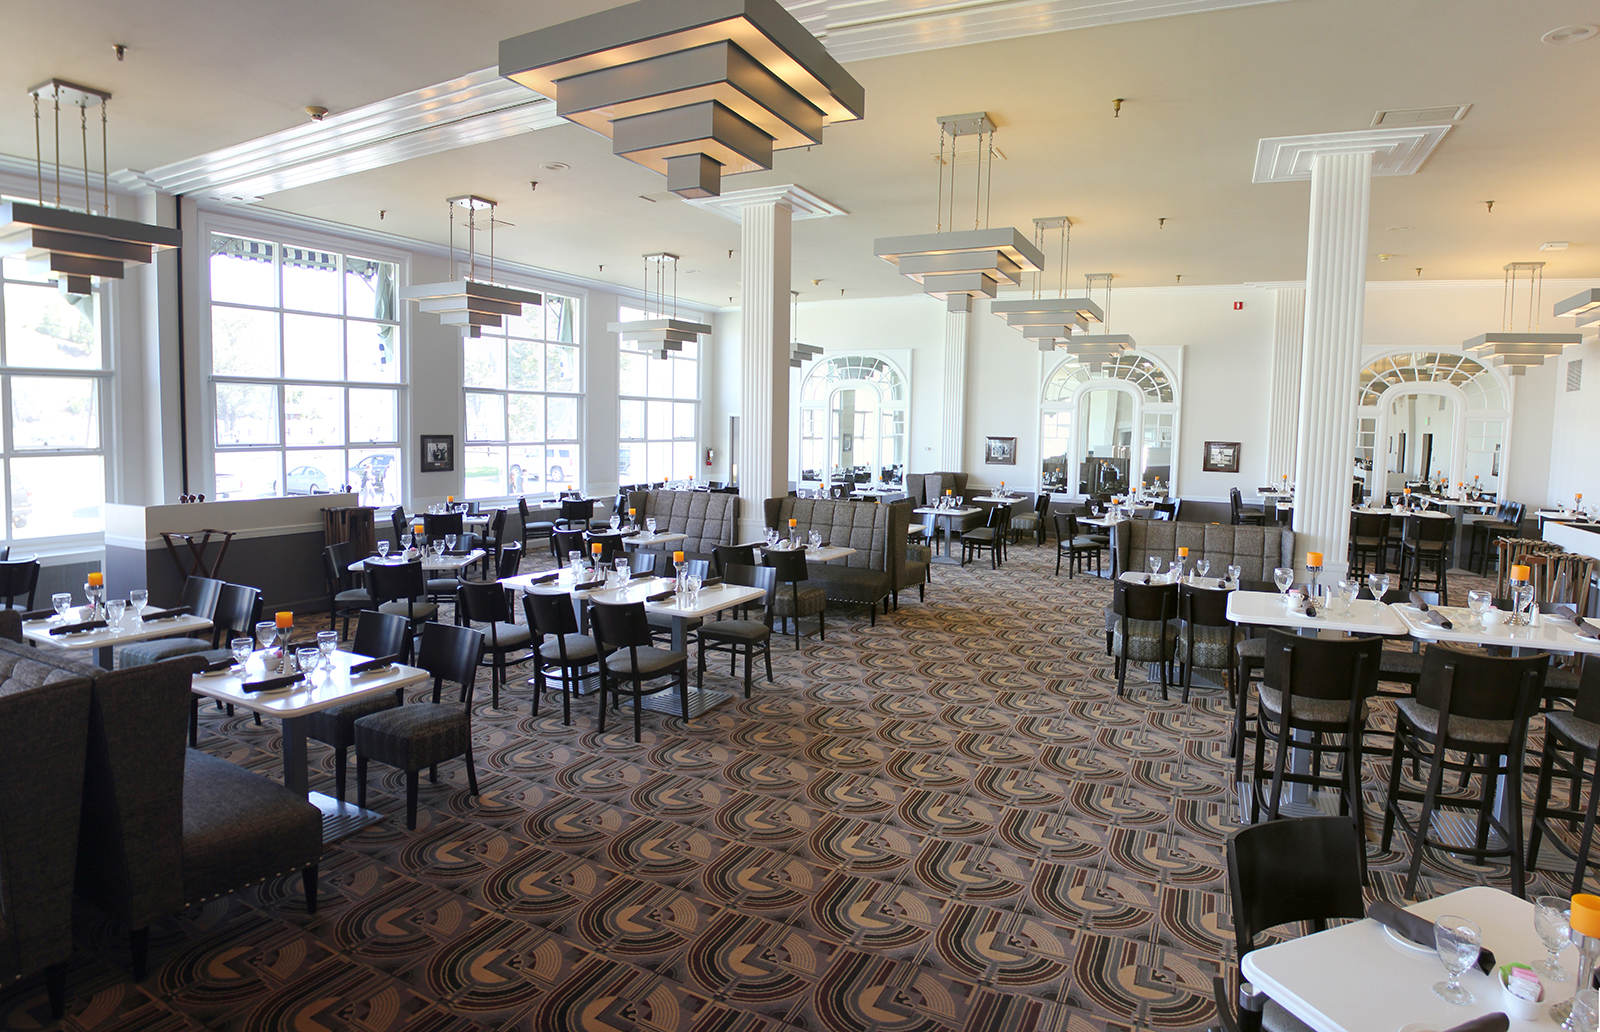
1221, 457
1001, 451
438, 453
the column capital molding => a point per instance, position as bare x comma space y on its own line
802, 203
1395, 152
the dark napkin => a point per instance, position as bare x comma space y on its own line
589, 585
1496, 1022
272, 683
38, 614
661, 596
1585, 630
458, 551
215, 665
641, 574
74, 628
167, 614
546, 578
711, 582
1419, 929
1416, 600
373, 664
1438, 619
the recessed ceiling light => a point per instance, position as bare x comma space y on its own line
555, 166
1570, 34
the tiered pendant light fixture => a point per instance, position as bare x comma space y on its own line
694, 91
1517, 350
959, 265
466, 301
1094, 348
76, 245
1584, 307
1050, 320
799, 353
662, 334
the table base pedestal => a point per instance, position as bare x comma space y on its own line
668, 702
341, 820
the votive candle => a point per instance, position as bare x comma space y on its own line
1313, 559
97, 579
1520, 573
285, 619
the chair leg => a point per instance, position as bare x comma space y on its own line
1425, 820
749, 665
139, 947
602, 727
700, 666
683, 690
194, 721
308, 882
55, 987
822, 622
472, 772
638, 711
412, 777
766, 652
341, 762
1588, 832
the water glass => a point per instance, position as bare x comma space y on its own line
815, 537
1348, 590
307, 658
623, 569
1456, 940
1478, 602
61, 601
266, 631
405, 541
1202, 567
242, 647
115, 609
1175, 571
327, 643
691, 586
383, 548
1234, 574
1283, 576
575, 559
450, 541
650, 524
139, 598
615, 522
1155, 565
1552, 916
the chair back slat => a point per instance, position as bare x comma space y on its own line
1480, 686
1203, 607
1145, 601
620, 625
380, 634
550, 614
451, 653
1314, 668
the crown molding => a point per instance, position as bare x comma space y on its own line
1395, 152
801, 202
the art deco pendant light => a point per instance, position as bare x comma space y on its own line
799, 353
662, 334
1517, 350
1094, 348
1050, 320
959, 265
466, 301
76, 245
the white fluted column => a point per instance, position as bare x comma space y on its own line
1336, 260
1288, 334
953, 412
764, 361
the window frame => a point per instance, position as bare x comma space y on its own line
627, 313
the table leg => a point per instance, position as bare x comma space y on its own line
339, 820
296, 765
102, 657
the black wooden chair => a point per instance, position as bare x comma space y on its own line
343, 597
1075, 546
1144, 631
1206, 637
990, 536
742, 635
426, 734
1242, 513
19, 582
484, 602
794, 601
1571, 754
1369, 534
622, 635
401, 590
378, 635
562, 648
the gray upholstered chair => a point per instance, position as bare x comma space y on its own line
562, 648
1206, 637
377, 635
484, 602
200, 594
918, 570
1144, 631
343, 597
400, 589
426, 734
742, 634
44, 729
793, 601
622, 635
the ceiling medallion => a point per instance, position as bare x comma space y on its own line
959, 265
72, 244
1518, 350
695, 91
466, 301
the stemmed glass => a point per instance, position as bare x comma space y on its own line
266, 631
139, 598
1155, 565
1283, 576
242, 647
1552, 916
1234, 574
405, 541
327, 643
1456, 940
650, 525
1478, 602
450, 541
61, 601
815, 537
1202, 567
115, 608
615, 522
383, 548
1348, 590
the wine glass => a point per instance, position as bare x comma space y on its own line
1283, 576
1202, 567
115, 608
1478, 602
327, 643
575, 559
61, 601
405, 541
1234, 574
1456, 940
650, 525
1175, 571
307, 658
624, 569
383, 548
1348, 590
139, 598
242, 647
266, 632
1552, 916
1385, 581
450, 541
815, 537
1155, 565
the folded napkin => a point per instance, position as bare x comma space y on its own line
589, 585
373, 664
217, 665
1419, 930
271, 684
38, 614
167, 614
546, 578
1584, 630
1496, 1022
458, 551
1438, 619
1416, 600
74, 628
711, 582
660, 596
642, 574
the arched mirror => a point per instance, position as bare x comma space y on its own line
1430, 415
853, 422
1107, 428
1105, 463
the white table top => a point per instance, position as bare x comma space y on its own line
1404, 512
1274, 494
1563, 515
878, 491
1550, 634
1357, 977
712, 599
997, 500
1459, 503
430, 562
1136, 577
644, 538
824, 554
1267, 609
1097, 521
126, 632
947, 512
319, 691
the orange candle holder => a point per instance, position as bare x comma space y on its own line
283, 619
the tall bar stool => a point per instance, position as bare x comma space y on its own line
1369, 531
1473, 704
1577, 733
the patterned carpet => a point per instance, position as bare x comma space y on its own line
947, 821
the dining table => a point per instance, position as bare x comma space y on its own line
431, 563
648, 539
1549, 633
322, 689
823, 553
130, 629
945, 520
1361, 976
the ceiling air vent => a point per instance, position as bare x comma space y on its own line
1421, 115
1575, 375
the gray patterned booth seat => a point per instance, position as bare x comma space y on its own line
165, 826
1258, 550
877, 532
709, 518
44, 725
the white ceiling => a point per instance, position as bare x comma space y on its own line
1200, 89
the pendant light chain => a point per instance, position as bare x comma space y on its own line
105, 161
38, 149
938, 211
57, 93
491, 242
83, 126
453, 265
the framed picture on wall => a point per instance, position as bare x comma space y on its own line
1221, 457
438, 453
1001, 451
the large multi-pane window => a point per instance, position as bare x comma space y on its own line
523, 382
305, 371
54, 375
659, 413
